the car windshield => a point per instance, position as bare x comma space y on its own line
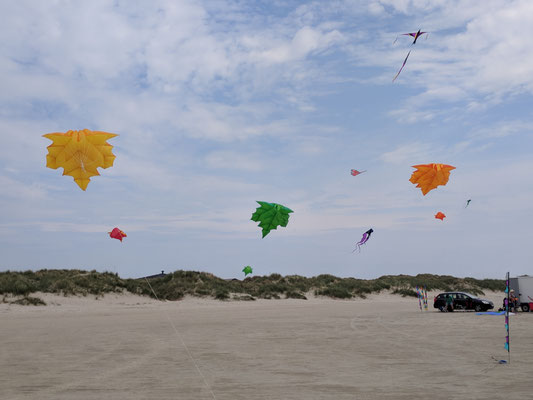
471, 295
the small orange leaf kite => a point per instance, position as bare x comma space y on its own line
80, 153
440, 216
429, 176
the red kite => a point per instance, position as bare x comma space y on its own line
440, 216
117, 234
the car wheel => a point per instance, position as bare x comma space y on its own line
478, 308
525, 307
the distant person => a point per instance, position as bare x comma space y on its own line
504, 308
513, 300
469, 304
449, 303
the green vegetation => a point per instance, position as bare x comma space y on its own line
25, 301
178, 284
405, 292
29, 301
66, 282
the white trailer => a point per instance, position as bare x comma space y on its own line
523, 288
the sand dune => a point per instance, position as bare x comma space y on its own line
383, 347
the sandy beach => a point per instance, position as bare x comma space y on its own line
382, 347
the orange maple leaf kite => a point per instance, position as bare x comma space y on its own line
428, 176
440, 216
79, 153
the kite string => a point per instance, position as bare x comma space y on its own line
357, 247
183, 343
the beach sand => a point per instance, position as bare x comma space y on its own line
382, 347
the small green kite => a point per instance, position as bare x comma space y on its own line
270, 216
247, 270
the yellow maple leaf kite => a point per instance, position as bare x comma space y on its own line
429, 176
79, 153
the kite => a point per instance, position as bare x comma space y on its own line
468, 202
422, 295
355, 172
79, 153
403, 65
117, 234
440, 216
428, 176
247, 270
415, 35
363, 240
270, 216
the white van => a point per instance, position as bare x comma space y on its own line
523, 288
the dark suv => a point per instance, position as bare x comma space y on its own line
462, 301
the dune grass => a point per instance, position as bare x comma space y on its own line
176, 285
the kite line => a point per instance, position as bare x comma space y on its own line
184, 345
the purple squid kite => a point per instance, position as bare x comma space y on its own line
363, 240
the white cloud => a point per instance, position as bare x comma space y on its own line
305, 41
15, 189
412, 153
410, 114
221, 122
503, 129
376, 8
233, 160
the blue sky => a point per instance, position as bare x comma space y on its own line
218, 104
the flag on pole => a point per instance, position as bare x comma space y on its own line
507, 307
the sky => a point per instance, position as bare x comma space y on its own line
221, 103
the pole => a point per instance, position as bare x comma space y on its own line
507, 325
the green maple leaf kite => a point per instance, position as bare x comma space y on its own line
247, 270
270, 216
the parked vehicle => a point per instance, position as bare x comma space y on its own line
523, 289
462, 301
